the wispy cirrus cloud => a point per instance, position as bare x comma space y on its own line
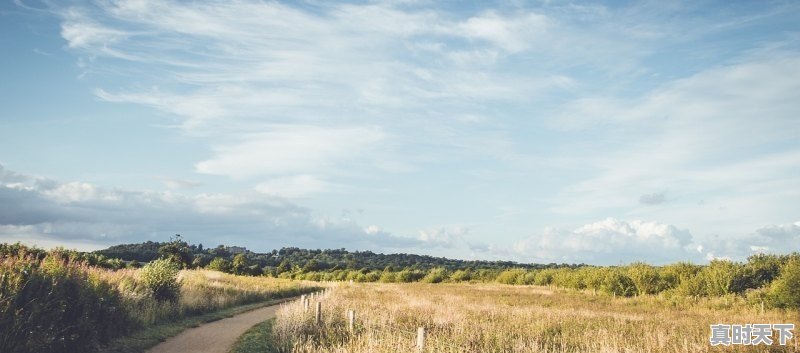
451, 114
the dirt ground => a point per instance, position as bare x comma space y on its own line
214, 337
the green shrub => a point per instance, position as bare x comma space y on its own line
569, 278
388, 277
785, 290
161, 278
720, 276
672, 276
372, 277
461, 276
406, 276
510, 276
545, 277
618, 283
220, 264
55, 306
645, 278
528, 278
436, 275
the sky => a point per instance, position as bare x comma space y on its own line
541, 131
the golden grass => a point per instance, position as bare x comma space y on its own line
202, 291
501, 318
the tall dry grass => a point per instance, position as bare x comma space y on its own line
500, 318
202, 291
50, 303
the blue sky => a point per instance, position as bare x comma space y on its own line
548, 131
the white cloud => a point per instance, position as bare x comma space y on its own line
447, 237
512, 34
609, 241
613, 241
48, 212
290, 149
725, 136
293, 187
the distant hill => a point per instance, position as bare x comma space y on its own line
319, 260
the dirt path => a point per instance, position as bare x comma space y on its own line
215, 337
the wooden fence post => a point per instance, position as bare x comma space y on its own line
306, 303
762, 307
420, 339
318, 314
351, 320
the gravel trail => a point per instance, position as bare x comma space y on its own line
215, 337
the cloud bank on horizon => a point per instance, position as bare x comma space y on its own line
530, 131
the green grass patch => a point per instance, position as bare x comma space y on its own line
144, 339
258, 339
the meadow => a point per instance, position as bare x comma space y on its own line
485, 318
57, 302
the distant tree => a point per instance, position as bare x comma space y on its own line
285, 266
720, 275
785, 290
618, 283
645, 278
461, 276
197, 262
240, 264
219, 264
311, 266
436, 275
176, 251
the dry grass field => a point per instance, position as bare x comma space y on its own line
484, 318
201, 291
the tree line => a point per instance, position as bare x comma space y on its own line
773, 279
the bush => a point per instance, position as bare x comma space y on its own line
720, 276
388, 277
461, 276
545, 277
645, 278
220, 264
512, 276
785, 290
406, 276
674, 275
55, 306
436, 275
161, 278
618, 283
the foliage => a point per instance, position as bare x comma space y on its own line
511, 276
177, 251
436, 275
308, 260
55, 304
645, 278
220, 264
161, 278
240, 264
785, 290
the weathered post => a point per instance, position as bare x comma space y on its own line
762, 308
318, 313
420, 339
306, 303
351, 320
